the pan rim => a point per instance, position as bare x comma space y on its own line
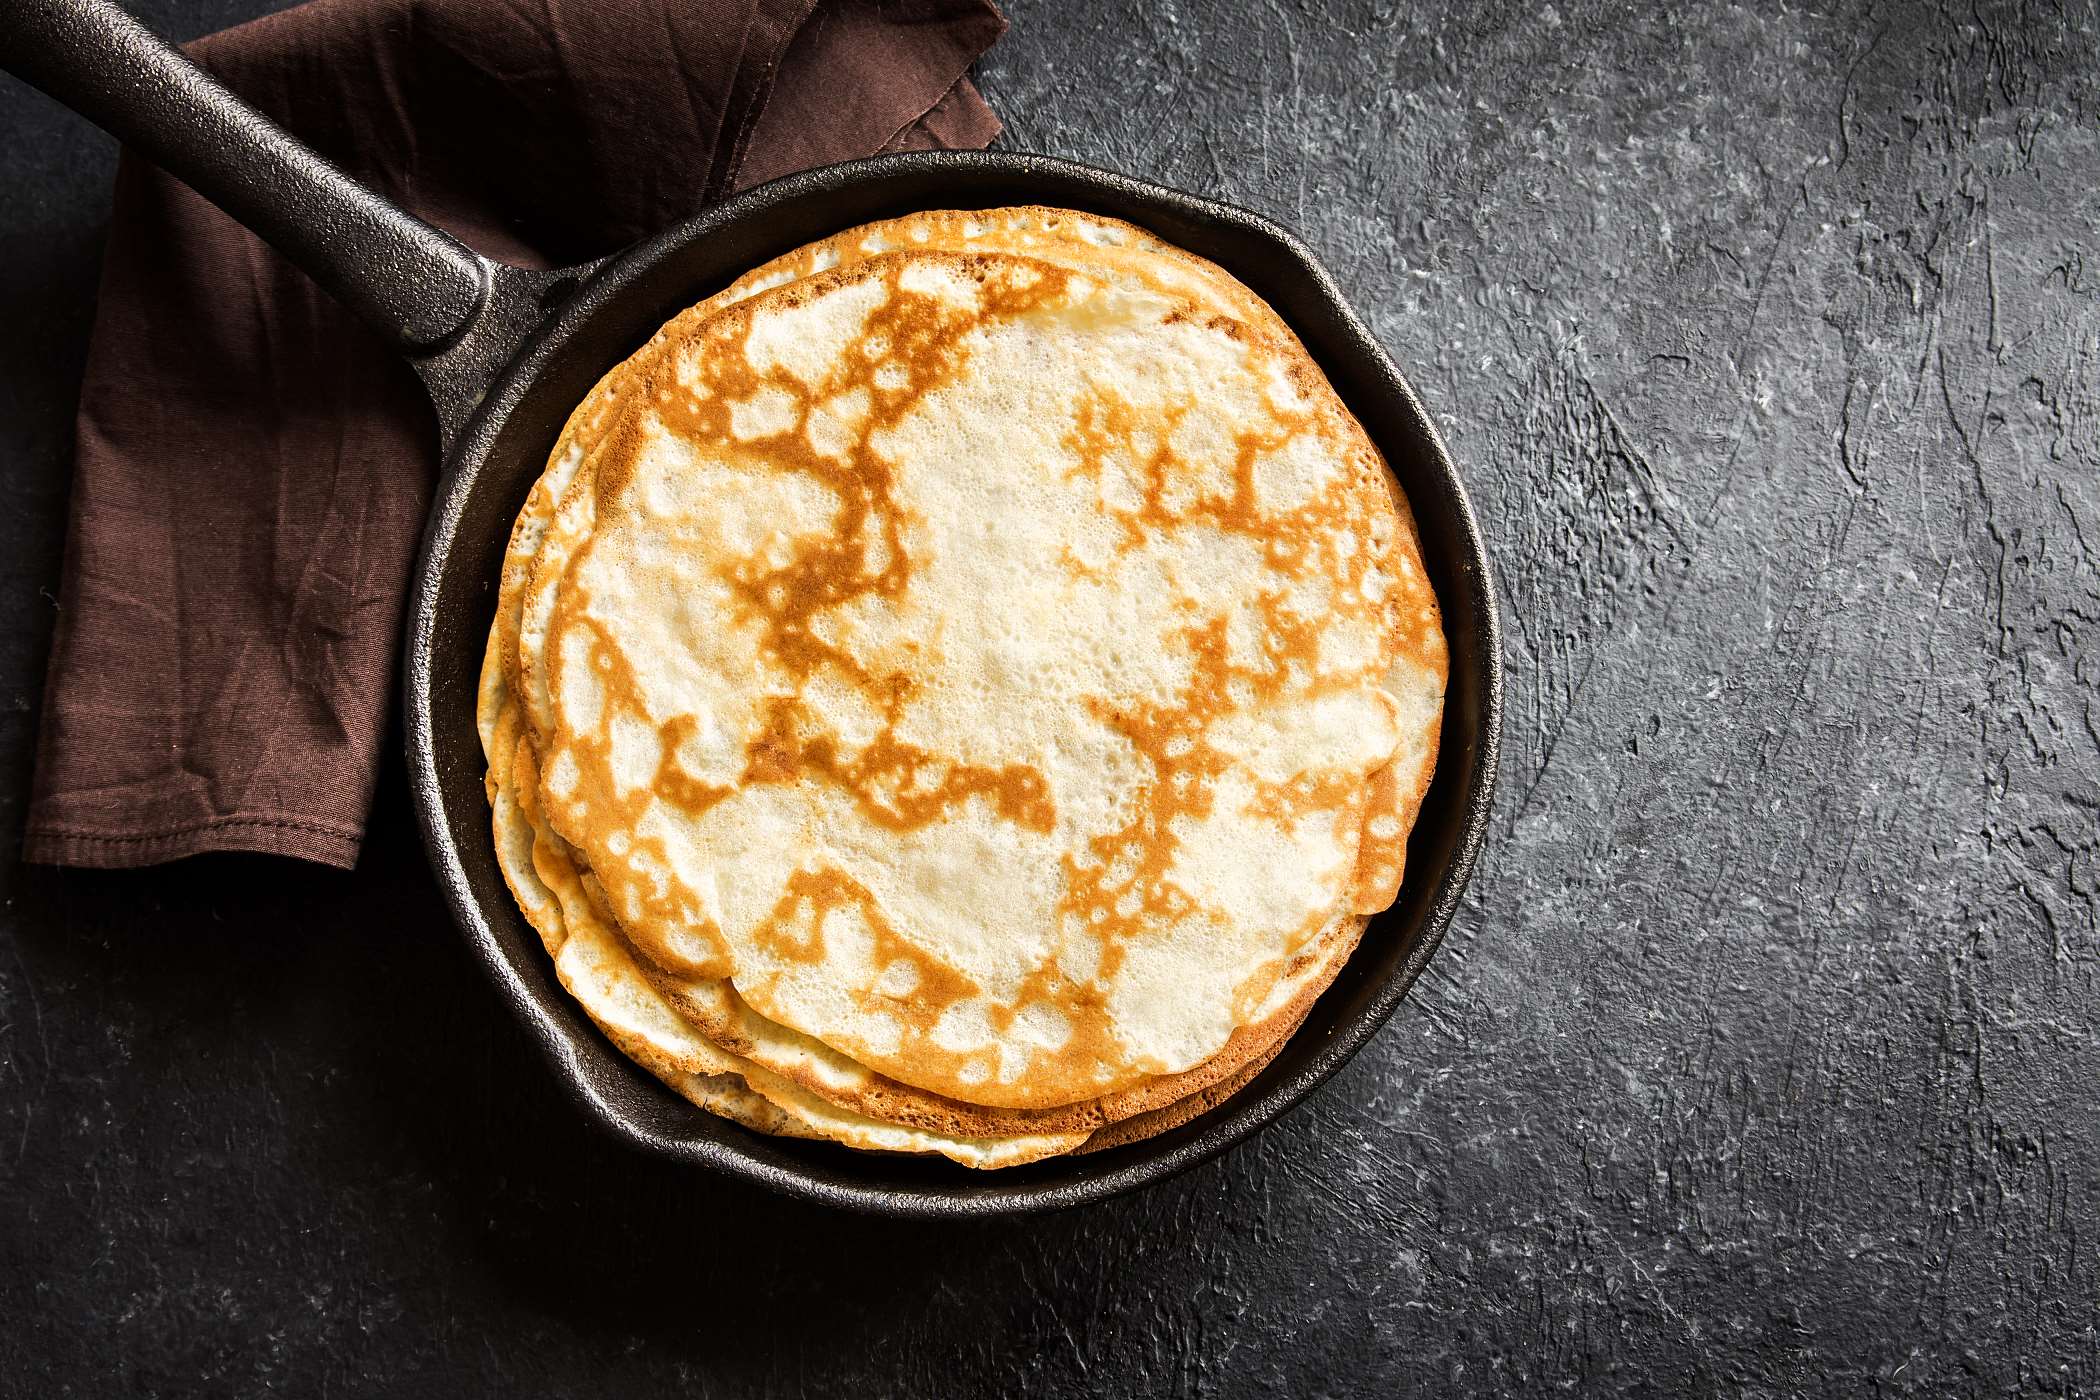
987, 1193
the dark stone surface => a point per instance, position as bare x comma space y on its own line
1764, 1057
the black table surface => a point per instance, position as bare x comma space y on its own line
1763, 1055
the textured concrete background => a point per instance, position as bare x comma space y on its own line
1763, 1058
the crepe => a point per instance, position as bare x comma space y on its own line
990, 865
718, 1013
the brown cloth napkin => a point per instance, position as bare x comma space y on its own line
253, 466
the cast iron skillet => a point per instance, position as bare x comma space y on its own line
506, 353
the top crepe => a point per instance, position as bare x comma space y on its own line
995, 672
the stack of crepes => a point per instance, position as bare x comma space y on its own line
962, 690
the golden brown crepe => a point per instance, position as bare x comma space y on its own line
965, 685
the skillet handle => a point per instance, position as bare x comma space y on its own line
418, 286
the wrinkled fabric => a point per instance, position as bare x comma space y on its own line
253, 466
